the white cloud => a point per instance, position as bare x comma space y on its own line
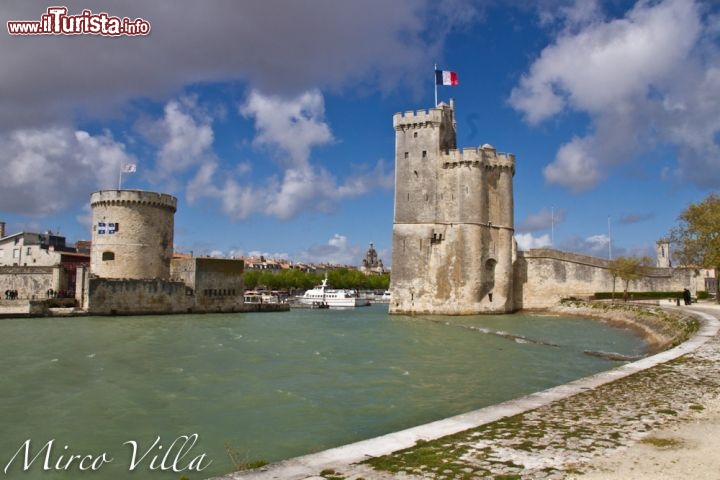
290, 128
598, 241
606, 62
48, 170
201, 184
338, 241
526, 241
188, 136
267, 255
646, 79
574, 167
542, 220
571, 15
337, 251
183, 137
85, 217
292, 125
594, 245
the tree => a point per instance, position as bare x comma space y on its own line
628, 268
379, 282
297, 279
250, 279
697, 236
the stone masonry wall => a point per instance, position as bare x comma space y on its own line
198, 285
217, 284
132, 297
544, 276
31, 282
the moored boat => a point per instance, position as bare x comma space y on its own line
332, 297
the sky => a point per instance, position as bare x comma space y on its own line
271, 122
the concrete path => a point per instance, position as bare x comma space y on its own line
686, 448
575, 428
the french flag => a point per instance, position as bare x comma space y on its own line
445, 77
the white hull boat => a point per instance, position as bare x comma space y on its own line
332, 297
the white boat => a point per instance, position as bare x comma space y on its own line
332, 297
381, 297
260, 297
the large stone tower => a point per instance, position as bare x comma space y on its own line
453, 229
132, 234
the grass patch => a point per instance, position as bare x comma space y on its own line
331, 474
661, 442
241, 463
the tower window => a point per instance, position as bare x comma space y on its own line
424, 154
108, 256
407, 154
414, 134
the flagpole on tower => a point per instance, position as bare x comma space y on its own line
435, 83
125, 168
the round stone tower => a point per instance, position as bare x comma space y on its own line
132, 234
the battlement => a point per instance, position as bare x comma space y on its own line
485, 156
501, 160
420, 118
467, 157
133, 197
416, 119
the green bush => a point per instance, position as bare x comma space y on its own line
638, 295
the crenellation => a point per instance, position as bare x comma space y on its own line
417, 118
133, 197
467, 157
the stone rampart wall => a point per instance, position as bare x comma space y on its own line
544, 276
133, 297
126, 297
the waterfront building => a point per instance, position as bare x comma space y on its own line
38, 265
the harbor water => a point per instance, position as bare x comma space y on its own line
264, 385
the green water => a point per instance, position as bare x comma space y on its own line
268, 386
